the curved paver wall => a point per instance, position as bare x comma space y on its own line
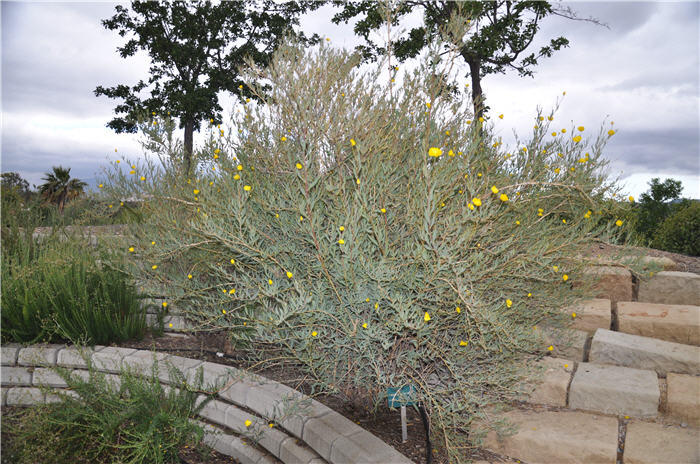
325, 434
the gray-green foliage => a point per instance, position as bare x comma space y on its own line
268, 264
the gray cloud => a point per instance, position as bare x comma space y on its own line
657, 150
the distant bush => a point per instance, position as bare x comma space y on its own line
375, 235
680, 232
56, 289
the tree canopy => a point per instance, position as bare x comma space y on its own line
498, 33
196, 49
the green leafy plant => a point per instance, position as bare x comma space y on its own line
680, 232
137, 421
55, 288
376, 235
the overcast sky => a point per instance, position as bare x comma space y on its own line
642, 73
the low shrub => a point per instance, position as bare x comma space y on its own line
375, 235
680, 232
56, 288
136, 422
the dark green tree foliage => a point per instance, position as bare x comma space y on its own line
195, 50
654, 205
500, 32
13, 181
59, 188
680, 232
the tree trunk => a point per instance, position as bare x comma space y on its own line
477, 94
189, 130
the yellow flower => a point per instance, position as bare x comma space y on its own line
451, 153
611, 132
478, 174
341, 241
476, 201
565, 277
314, 333
529, 295
577, 139
554, 134
580, 128
563, 221
426, 317
556, 170
563, 131
233, 261
236, 177
376, 305
470, 206
631, 198
503, 197
132, 172
143, 178
458, 309
357, 181
588, 214
494, 189
427, 104
556, 268
550, 348
573, 315
435, 152
269, 281
154, 267
100, 186
217, 151
383, 210
189, 276
248, 423
352, 142
509, 303
239, 167
232, 291
500, 116
165, 304
170, 325
153, 242
195, 191
341, 228
131, 249
517, 223
289, 275
246, 188
284, 139
463, 343
481, 119
469, 121
364, 326
618, 223
367, 300
301, 218
299, 166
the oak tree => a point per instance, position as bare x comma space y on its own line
196, 49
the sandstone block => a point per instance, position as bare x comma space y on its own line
554, 381
648, 443
76, 357
615, 390
184, 365
684, 398
557, 437
639, 352
614, 283
141, 362
671, 287
364, 447
673, 323
292, 451
567, 344
232, 446
590, 315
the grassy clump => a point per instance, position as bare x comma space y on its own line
680, 232
136, 422
58, 288
377, 236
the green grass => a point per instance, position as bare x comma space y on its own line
137, 422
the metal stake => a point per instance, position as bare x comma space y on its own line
404, 432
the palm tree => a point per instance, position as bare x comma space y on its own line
59, 188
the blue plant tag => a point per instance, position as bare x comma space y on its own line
404, 396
